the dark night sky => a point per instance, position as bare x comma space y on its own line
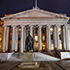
14, 6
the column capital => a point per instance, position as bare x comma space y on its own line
13, 25
48, 26
56, 25
30, 25
40, 25
4, 25
22, 25
65, 25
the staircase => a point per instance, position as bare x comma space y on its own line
54, 54
37, 57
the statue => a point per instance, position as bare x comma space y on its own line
29, 43
29, 56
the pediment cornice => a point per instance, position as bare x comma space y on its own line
35, 13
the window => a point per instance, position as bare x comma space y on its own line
51, 37
60, 36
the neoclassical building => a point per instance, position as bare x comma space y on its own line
50, 31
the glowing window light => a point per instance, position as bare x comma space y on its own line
19, 29
43, 46
43, 38
36, 38
0, 47
52, 46
1, 32
0, 39
36, 44
60, 46
59, 29
51, 29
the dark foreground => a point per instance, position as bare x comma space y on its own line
45, 65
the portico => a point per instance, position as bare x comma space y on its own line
48, 29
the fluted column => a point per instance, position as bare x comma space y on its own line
22, 39
67, 36
4, 38
7, 39
40, 39
55, 35
64, 37
24, 36
48, 38
16, 39
31, 31
13, 38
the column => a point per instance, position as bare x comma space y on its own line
55, 39
68, 37
24, 36
31, 31
7, 39
48, 39
13, 38
4, 38
40, 39
22, 39
64, 37
16, 39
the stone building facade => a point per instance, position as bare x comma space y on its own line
50, 31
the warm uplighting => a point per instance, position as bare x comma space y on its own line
43, 38
52, 46
36, 38
43, 47
36, 63
19, 29
51, 29
36, 43
59, 29
60, 46
0, 39
0, 47
0, 31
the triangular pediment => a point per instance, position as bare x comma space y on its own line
35, 13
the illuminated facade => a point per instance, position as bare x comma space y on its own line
50, 31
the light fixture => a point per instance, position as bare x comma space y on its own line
36, 38
43, 38
43, 46
52, 46
0, 47
19, 29
0, 39
59, 29
51, 29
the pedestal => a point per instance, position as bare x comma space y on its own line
29, 61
